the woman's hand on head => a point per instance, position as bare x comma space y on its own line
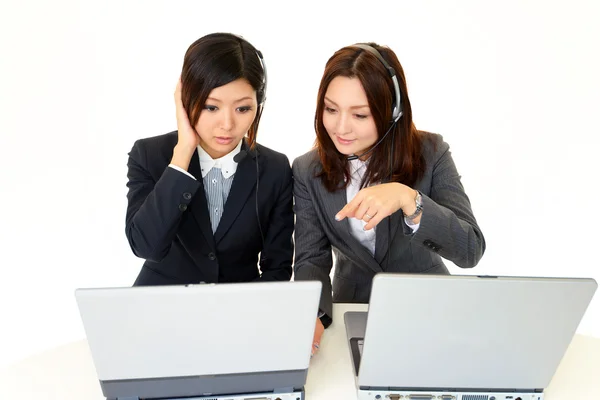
374, 203
187, 137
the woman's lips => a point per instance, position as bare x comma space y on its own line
223, 139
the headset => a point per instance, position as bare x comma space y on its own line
264, 68
253, 153
397, 104
396, 114
261, 60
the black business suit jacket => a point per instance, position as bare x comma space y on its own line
168, 225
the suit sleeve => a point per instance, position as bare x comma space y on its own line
154, 208
277, 253
313, 259
448, 226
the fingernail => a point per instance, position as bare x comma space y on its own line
337, 217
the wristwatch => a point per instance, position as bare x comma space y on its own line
419, 204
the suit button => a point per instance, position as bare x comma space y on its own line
187, 195
212, 257
182, 207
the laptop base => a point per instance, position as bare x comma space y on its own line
255, 385
296, 395
445, 395
356, 322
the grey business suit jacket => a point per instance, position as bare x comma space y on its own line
447, 230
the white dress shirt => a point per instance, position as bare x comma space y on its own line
226, 163
366, 238
217, 176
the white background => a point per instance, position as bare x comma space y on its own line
513, 86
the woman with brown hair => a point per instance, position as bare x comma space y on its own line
206, 200
380, 194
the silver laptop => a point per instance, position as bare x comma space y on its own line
464, 337
227, 341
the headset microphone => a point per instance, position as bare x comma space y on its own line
396, 106
354, 157
240, 156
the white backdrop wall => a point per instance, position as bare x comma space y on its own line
513, 86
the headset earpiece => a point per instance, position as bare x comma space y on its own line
397, 104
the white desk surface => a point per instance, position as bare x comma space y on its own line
67, 372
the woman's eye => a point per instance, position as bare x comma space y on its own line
244, 109
210, 108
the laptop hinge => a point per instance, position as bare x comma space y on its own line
127, 398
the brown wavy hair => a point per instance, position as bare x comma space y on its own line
215, 60
408, 163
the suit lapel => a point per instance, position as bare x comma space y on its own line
243, 184
199, 205
385, 234
382, 240
338, 201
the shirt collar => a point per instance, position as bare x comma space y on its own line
358, 169
225, 163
